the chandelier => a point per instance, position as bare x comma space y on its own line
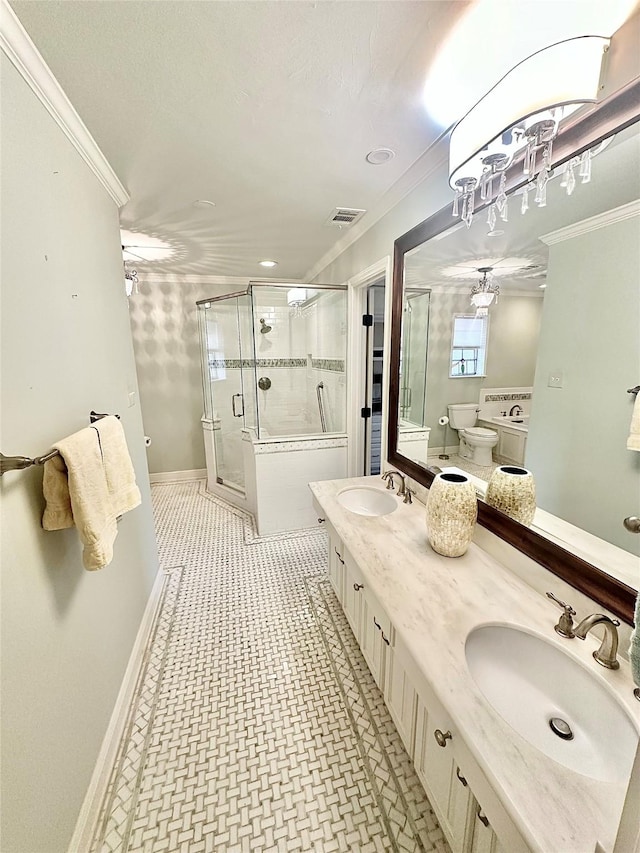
521, 115
484, 292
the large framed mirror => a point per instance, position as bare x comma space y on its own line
546, 374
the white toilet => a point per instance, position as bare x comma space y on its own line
476, 443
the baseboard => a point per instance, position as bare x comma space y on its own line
178, 476
90, 811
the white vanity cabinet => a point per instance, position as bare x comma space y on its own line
368, 620
400, 693
442, 774
511, 445
335, 564
439, 756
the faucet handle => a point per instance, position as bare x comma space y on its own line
565, 622
388, 476
407, 495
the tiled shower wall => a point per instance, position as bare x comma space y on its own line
314, 338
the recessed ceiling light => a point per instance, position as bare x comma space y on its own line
379, 156
268, 263
203, 202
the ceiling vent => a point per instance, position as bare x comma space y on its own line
343, 216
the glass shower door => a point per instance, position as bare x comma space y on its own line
227, 364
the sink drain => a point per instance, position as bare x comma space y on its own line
561, 728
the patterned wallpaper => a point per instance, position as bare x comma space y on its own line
164, 326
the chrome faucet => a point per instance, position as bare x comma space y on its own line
403, 489
516, 411
606, 654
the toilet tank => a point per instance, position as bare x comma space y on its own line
463, 415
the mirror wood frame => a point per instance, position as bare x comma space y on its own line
610, 116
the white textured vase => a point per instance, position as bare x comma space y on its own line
512, 490
452, 510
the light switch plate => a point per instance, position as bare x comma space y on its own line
555, 379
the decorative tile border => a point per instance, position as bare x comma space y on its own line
114, 825
334, 364
496, 398
289, 446
237, 363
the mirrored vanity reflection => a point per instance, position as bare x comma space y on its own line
539, 377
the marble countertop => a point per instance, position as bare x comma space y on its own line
555, 809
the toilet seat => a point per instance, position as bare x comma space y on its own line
480, 432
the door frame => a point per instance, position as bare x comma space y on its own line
357, 353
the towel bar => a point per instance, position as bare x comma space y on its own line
634, 390
19, 463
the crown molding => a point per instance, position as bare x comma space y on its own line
617, 214
24, 55
238, 281
426, 165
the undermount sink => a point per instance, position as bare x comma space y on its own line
367, 500
531, 682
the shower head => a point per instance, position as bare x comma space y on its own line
264, 329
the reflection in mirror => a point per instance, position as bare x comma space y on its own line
546, 387
413, 433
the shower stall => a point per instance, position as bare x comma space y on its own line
274, 383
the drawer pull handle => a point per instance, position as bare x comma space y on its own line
482, 817
442, 737
338, 556
358, 586
321, 521
385, 639
377, 624
461, 778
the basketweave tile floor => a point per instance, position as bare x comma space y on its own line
255, 724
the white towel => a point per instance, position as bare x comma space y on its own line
634, 648
89, 485
633, 442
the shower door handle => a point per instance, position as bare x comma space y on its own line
233, 405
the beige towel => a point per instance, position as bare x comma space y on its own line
633, 442
121, 478
90, 484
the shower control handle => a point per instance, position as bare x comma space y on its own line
235, 397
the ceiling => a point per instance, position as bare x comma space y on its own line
266, 108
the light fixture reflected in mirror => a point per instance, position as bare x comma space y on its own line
484, 292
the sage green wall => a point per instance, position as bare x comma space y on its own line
67, 634
578, 433
514, 328
164, 327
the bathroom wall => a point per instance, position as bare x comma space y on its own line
67, 634
578, 433
514, 329
164, 326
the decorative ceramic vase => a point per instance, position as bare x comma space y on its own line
512, 490
452, 510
